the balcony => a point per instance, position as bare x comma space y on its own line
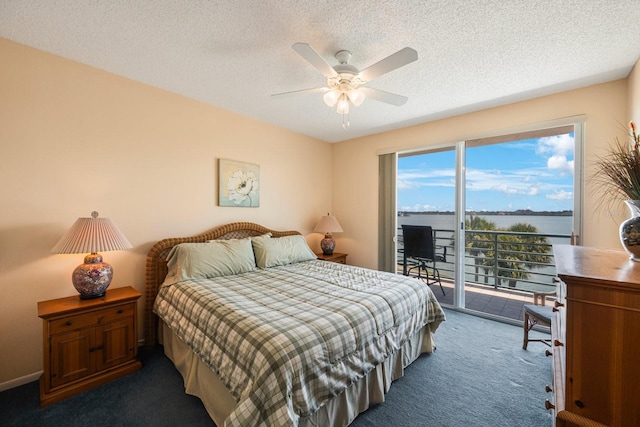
502, 269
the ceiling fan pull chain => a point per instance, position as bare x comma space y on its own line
345, 121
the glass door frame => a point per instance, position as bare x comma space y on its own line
459, 235
578, 123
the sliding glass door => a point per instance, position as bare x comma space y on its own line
520, 200
496, 206
426, 196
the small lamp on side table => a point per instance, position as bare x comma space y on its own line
328, 224
92, 235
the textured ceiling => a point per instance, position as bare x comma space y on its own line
234, 54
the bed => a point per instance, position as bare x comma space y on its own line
265, 334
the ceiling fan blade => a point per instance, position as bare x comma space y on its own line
314, 58
399, 59
300, 92
382, 96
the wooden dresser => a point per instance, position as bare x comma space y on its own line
596, 338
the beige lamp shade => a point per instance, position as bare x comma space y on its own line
92, 235
328, 224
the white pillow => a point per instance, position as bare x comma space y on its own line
271, 252
211, 259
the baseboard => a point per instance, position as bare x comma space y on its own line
17, 382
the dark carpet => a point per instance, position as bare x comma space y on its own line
479, 376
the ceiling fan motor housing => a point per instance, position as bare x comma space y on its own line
347, 78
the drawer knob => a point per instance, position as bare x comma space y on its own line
557, 343
120, 311
559, 304
549, 405
548, 353
548, 389
69, 323
579, 404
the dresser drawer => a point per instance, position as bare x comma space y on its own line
93, 318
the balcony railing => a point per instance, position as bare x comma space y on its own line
500, 259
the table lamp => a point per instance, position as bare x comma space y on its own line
328, 224
92, 235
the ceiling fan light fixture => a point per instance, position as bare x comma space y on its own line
331, 97
343, 104
356, 97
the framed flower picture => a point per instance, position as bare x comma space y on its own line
239, 184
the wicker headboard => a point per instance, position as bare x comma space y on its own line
157, 264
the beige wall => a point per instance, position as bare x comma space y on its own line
75, 139
355, 162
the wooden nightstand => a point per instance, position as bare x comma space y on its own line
87, 342
335, 257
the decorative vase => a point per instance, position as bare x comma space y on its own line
630, 231
327, 244
93, 277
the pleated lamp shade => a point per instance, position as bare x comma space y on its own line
92, 235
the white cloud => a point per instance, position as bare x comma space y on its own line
557, 145
406, 184
418, 208
560, 195
560, 163
521, 182
410, 179
557, 148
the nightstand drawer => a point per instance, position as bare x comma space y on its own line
93, 318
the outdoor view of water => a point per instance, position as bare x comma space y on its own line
546, 224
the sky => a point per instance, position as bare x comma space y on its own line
534, 174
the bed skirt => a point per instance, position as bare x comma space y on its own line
202, 382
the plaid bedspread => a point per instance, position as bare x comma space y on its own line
284, 340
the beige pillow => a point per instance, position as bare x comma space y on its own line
211, 259
271, 252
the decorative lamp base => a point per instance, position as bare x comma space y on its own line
327, 244
92, 278
630, 230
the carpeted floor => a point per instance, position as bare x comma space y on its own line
479, 376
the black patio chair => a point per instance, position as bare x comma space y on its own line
420, 253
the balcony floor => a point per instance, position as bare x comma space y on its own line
485, 299
503, 303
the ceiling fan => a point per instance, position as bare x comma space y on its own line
345, 83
